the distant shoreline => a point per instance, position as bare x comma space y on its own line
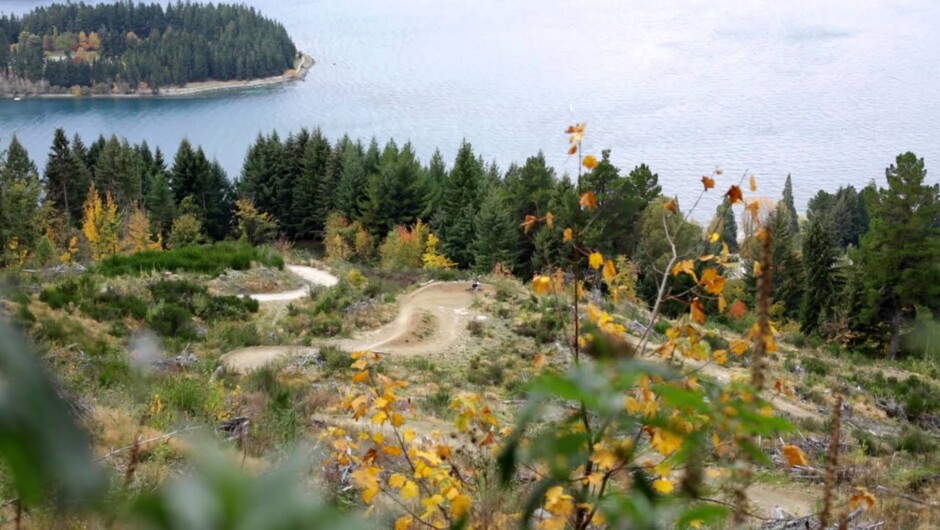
199, 88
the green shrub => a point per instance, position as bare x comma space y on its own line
816, 366
241, 335
184, 394
438, 403
112, 305
206, 259
335, 359
915, 441
70, 292
172, 320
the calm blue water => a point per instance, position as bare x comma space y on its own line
827, 91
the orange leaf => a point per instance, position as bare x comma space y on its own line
708, 182
698, 311
738, 309
361, 376
540, 361
754, 208
588, 201
529, 222
712, 281
794, 456
550, 220
672, 206
590, 162
734, 195
861, 496
572, 150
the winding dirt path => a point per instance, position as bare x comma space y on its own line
307, 274
430, 319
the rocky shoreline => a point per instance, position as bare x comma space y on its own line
201, 88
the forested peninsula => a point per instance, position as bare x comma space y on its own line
124, 49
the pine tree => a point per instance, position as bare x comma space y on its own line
20, 214
161, 205
528, 192
495, 234
789, 279
432, 186
898, 256
352, 183
461, 201
725, 225
58, 176
819, 258
789, 204
308, 217
400, 196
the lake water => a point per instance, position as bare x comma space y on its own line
828, 91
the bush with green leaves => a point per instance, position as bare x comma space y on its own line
205, 259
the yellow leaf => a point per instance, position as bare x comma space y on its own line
794, 456
404, 522
590, 162
460, 506
757, 269
596, 260
610, 271
409, 490
708, 182
361, 376
722, 304
714, 237
594, 479
687, 266
753, 182
663, 486
665, 442
604, 458
397, 419
720, 356
739, 347
588, 201
672, 206
379, 418
569, 235
409, 435
397, 480
542, 284
550, 220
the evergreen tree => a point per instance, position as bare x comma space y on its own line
899, 256
309, 217
495, 233
400, 196
20, 214
161, 206
790, 205
819, 258
118, 173
66, 179
258, 182
352, 183
725, 225
459, 206
432, 186
529, 191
